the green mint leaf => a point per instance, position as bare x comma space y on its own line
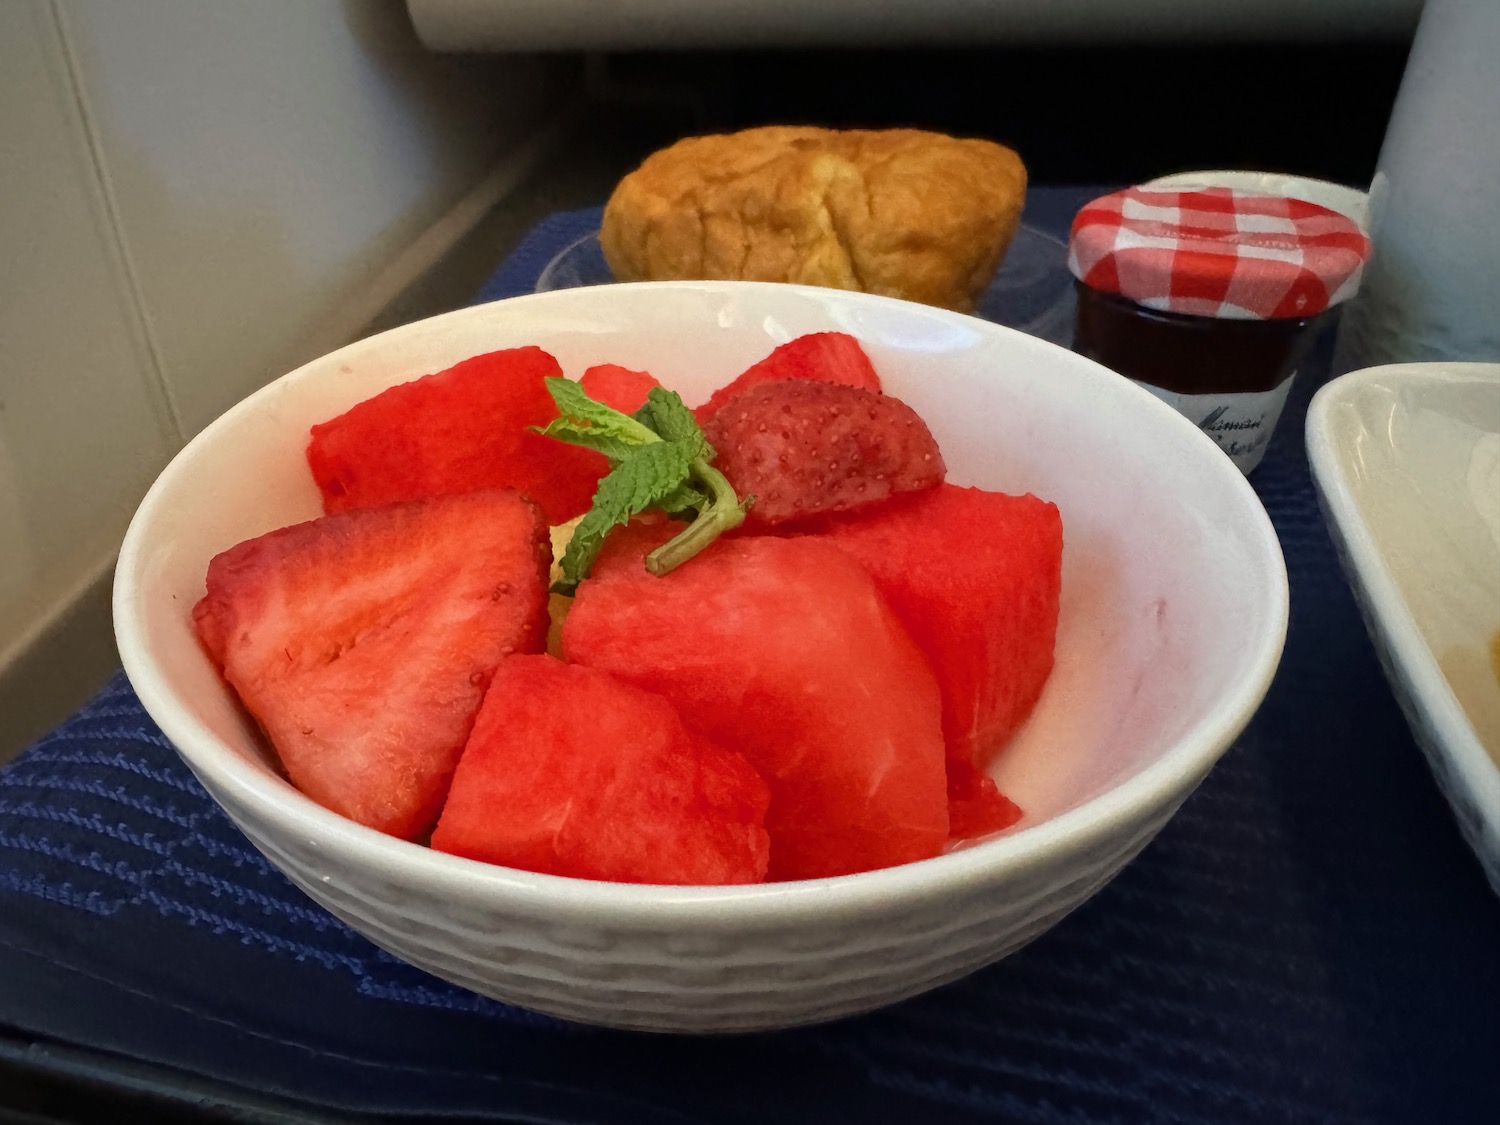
724, 511
583, 549
660, 460
651, 474
597, 438
575, 406
684, 498
665, 413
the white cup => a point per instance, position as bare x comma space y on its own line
1432, 288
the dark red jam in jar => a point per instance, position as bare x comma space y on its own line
1211, 298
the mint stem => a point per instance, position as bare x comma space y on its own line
725, 513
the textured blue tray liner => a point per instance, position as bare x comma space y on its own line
1309, 940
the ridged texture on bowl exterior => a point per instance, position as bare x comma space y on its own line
651, 978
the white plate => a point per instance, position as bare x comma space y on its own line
1407, 463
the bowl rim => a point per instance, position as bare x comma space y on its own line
1153, 792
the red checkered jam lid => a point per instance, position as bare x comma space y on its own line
1218, 252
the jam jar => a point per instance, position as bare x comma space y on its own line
1210, 298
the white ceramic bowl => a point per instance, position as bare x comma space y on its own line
1407, 463
1173, 616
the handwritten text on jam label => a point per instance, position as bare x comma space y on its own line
1241, 424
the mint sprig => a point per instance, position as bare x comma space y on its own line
658, 459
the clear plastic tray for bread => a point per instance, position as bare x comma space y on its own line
1032, 290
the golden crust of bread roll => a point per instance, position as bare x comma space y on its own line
900, 212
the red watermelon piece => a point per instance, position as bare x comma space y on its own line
829, 357
362, 642
617, 386
784, 651
458, 430
976, 807
976, 578
571, 771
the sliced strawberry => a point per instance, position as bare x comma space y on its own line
461, 429
802, 448
783, 650
617, 386
362, 642
570, 771
827, 357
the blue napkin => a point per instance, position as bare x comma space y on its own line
1308, 940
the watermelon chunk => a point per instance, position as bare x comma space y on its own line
976, 577
976, 807
829, 357
458, 430
784, 651
570, 771
617, 386
363, 642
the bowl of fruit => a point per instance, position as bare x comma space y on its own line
700, 656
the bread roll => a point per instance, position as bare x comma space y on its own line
899, 212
